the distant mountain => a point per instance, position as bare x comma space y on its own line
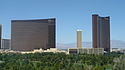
114, 44
73, 45
117, 44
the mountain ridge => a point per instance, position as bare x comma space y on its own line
114, 44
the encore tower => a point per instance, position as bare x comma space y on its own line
27, 35
101, 32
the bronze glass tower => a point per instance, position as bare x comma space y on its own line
101, 32
27, 35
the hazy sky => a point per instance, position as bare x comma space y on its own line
70, 16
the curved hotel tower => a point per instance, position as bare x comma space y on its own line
101, 32
28, 35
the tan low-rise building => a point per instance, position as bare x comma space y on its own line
86, 50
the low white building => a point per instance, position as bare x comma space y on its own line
54, 50
6, 44
118, 50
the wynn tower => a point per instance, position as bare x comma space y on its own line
28, 35
101, 32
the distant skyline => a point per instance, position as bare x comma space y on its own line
70, 15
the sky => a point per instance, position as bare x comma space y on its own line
70, 15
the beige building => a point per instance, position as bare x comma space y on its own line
79, 38
86, 51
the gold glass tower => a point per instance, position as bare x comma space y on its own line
79, 38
